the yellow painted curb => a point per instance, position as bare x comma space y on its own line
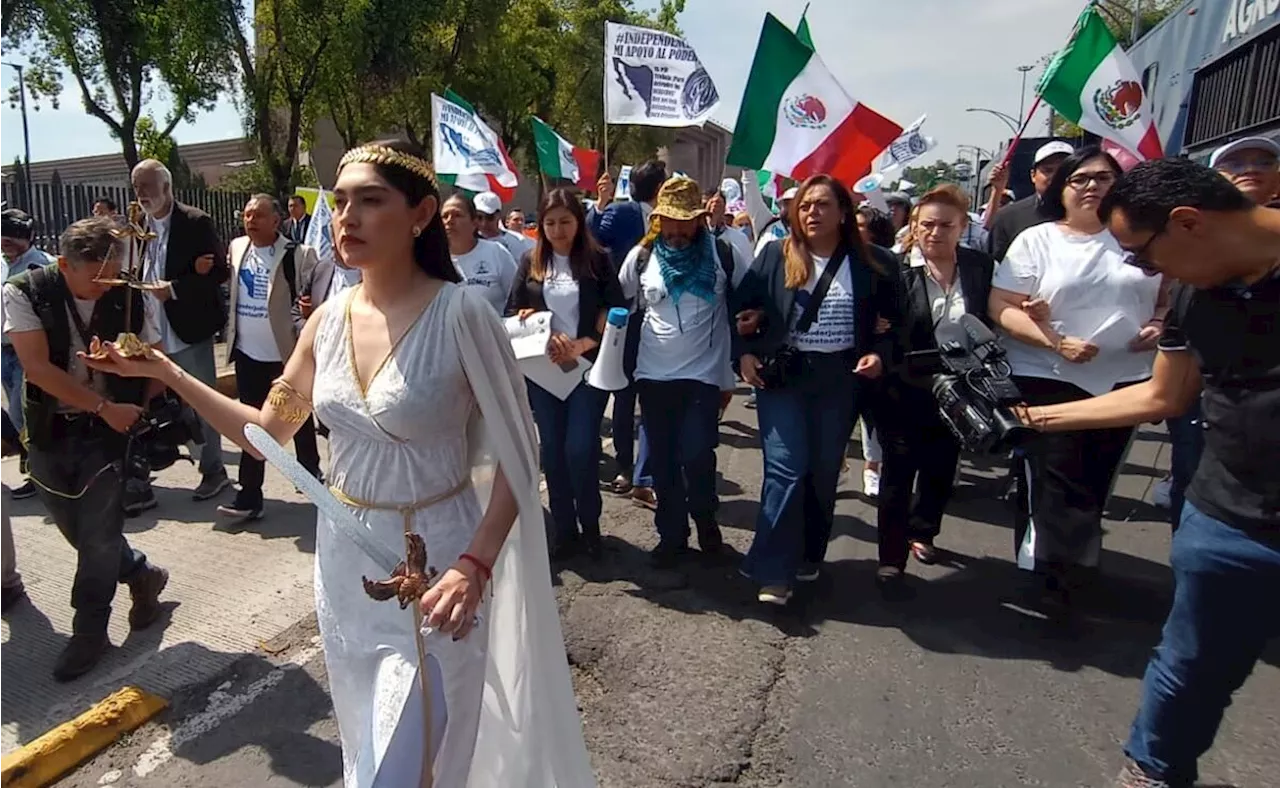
67, 746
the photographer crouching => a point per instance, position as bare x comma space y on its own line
941, 282
78, 424
1183, 220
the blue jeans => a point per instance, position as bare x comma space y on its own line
804, 430
197, 360
1215, 632
1186, 436
630, 460
641, 477
569, 438
681, 418
11, 372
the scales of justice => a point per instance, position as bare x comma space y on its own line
138, 238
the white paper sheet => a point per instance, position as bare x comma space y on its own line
529, 342
1115, 333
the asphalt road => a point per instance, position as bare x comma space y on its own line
684, 680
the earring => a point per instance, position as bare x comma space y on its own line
417, 231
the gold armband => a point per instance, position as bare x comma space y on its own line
288, 402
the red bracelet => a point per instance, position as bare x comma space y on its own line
481, 565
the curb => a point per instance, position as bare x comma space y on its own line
62, 749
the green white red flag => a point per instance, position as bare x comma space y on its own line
466, 152
559, 158
1092, 83
797, 120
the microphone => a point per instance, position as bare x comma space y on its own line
976, 330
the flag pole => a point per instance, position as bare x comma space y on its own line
1008, 154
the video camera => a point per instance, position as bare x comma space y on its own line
973, 388
167, 424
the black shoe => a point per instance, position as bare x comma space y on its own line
210, 486
26, 490
242, 508
138, 499
710, 541
892, 582
667, 555
592, 547
11, 597
564, 547
145, 590
79, 656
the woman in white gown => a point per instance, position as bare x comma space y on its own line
430, 433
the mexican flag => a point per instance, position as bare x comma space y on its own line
797, 120
559, 158
466, 152
1092, 83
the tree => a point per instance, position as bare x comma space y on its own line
928, 176
122, 54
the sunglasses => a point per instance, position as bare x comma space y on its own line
1138, 258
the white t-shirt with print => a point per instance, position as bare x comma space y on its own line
686, 338
832, 330
774, 232
489, 268
254, 336
1086, 282
20, 316
560, 294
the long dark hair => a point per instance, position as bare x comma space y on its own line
1052, 204
431, 247
879, 226
583, 255
795, 247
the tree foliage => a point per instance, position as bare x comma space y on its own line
122, 55
930, 175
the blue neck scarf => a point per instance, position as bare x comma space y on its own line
689, 270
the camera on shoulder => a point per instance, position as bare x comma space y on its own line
972, 385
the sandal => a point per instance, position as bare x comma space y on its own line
924, 552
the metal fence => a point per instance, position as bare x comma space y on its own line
54, 205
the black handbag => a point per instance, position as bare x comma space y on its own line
785, 364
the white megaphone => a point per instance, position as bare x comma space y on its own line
607, 373
869, 187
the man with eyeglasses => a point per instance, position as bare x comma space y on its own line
1252, 165
1185, 221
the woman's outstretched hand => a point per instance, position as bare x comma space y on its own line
106, 357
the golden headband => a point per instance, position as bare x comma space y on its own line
381, 154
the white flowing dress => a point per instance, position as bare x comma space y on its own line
448, 404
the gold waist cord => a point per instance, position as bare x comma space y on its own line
408, 510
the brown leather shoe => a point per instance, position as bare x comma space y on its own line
145, 590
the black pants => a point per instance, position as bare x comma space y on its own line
253, 382
681, 421
79, 480
924, 454
1063, 483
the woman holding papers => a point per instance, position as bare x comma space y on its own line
567, 275
1099, 320
430, 435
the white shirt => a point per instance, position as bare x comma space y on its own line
832, 328
32, 258
946, 304
774, 232
20, 317
342, 279
560, 294
684, 339
1087, 284
515, 243
738, 240
254, 336
153, 269
975, 235
490, 269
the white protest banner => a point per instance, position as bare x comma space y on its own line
466, 148
909, 146
652, 78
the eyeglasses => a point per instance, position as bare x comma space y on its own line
928, 227
1239, 166
1137, 258
1081, 180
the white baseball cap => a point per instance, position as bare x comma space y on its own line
1052, 149
1246, 143
789, 194
488, 203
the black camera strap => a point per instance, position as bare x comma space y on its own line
823, 284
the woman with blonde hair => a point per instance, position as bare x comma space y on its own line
821, 289
470, 686
941, 282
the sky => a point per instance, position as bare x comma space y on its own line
902, 58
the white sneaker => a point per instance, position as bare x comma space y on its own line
774, 595
870, 483
1161, 494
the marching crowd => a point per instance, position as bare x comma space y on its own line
1093, 284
